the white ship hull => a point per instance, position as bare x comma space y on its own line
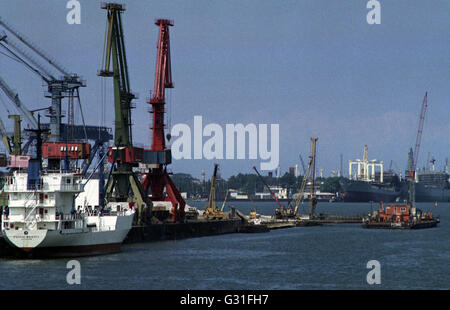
72, 242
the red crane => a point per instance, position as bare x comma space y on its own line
157, 159
270, 191
163, 80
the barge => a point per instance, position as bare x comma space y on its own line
399, 216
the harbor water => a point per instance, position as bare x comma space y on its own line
332, 256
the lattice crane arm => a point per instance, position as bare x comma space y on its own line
33, 47
14, 97
419, 132
114, 52
163, 80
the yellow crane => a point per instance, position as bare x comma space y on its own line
211, 210
309, 174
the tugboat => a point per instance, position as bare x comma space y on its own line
399, 216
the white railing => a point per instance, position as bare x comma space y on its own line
45, 187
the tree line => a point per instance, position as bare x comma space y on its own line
251, 184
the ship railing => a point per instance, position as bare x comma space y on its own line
21, 188
107, 228
64, 219
45, 187
69, 217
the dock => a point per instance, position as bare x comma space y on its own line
188, 229
234, 222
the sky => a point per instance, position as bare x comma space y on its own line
315, 67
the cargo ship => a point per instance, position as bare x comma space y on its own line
361, 191
399, 216
42, 221
365, 184
433, 186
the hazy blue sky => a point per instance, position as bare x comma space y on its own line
314, 67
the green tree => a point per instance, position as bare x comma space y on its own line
331, 185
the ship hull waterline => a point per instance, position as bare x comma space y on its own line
68, 243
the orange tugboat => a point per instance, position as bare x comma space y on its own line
400, 216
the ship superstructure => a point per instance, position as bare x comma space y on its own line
366, 184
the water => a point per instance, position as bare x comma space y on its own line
324, 257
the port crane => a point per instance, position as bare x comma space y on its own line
62, 136
309, 174
211, 210
14, 97
58, 88
122, 184
157, 180
282, 212
229, 190
414, 156
24, 114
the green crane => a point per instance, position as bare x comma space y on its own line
123, 184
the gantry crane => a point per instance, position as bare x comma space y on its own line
159, 156
211, 210
414, 156
122, 184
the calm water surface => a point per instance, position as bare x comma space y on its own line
324, 257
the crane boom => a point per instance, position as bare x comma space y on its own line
419, 132
32, 47
163, 80
211, 210
211, 203
302, 187
312, 197
57, 88
4, 136
115, 53
31, 63
270, 191
14, 97
303, 164
414, 156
